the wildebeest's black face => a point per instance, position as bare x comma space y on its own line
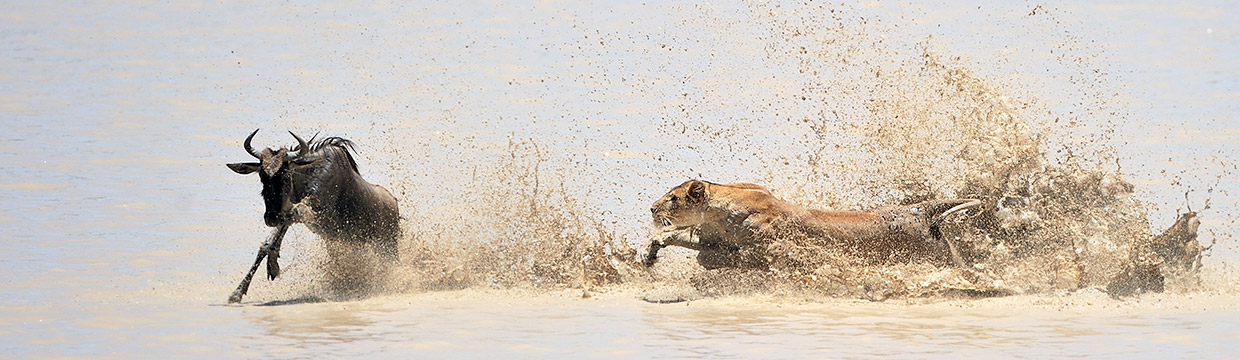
278, 172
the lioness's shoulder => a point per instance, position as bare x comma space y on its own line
744, 195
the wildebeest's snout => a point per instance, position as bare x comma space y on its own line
278, 213
278, 209
274, 219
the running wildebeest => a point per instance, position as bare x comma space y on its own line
317, 184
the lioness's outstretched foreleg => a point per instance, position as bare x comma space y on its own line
682, 237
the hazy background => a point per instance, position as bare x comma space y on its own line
120, 224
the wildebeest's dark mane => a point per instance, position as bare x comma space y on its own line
334, 143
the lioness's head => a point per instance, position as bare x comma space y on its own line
681, 206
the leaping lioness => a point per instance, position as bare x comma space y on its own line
731, 225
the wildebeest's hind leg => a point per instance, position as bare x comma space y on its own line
387, 249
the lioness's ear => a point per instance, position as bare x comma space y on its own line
244, 168
697, 191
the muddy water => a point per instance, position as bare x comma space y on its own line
507, 130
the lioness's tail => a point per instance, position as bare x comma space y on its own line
947, 207
943, 208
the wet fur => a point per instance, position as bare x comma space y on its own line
730, 225
319, 186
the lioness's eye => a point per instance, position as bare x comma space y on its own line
673, 198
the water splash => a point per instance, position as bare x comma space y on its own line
522, 227
832, 106
888, 124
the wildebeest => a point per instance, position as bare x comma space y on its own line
318, 184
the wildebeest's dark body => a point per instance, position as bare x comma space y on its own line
318, 184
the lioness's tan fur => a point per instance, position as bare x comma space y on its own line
730, 225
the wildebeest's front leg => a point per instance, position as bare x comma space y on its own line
682, 237
276, 237
273, 254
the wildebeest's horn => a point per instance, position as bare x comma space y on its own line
301, 144
248, 148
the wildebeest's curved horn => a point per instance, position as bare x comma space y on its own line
248, 148
301, 144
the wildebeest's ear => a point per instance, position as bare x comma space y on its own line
697, 191
244, 168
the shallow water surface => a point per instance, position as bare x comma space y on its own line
123, 232
489, 323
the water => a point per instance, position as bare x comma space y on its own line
124, 234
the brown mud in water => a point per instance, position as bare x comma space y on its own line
1046, 226
855, 121
525, 143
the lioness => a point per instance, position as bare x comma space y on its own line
731, 225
